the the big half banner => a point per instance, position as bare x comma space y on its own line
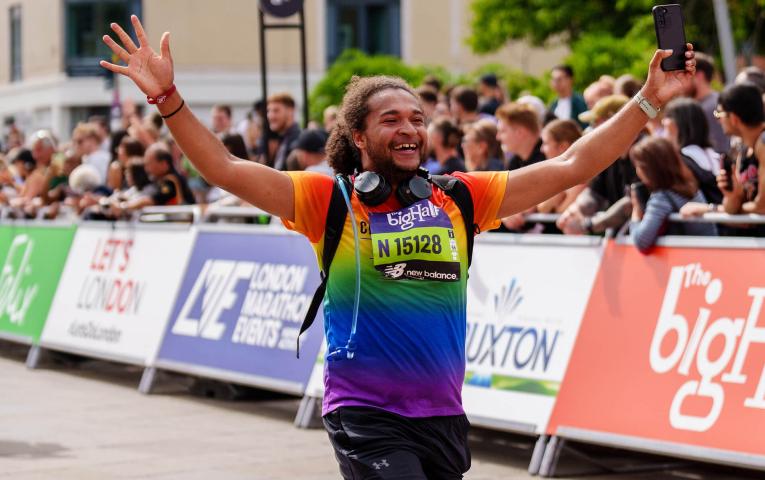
672, 350
525, 303
32, 260
240, 307
116, 291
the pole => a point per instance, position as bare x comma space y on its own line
725, 36
264, 88
303, 66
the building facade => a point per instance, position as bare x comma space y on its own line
50, 78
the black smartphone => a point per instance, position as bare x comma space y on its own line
726, 164
670, 35
642, 193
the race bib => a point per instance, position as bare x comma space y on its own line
416, 242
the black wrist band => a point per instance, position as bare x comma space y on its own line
183, 102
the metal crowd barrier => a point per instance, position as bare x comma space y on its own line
191, 214
750, 218
236, 214
196, 214
543, 217
179, 214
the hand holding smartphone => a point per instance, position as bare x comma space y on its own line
670, 35
726, 165
641, 192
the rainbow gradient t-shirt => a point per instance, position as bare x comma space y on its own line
410, 338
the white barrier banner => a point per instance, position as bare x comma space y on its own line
525, 304
315, 387
116, 292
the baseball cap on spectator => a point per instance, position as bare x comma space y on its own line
311, 140
604, 108
489, 79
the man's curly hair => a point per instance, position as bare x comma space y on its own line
344, 157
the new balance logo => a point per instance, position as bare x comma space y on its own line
394, 271
383, 463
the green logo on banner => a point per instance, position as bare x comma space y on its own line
31, 262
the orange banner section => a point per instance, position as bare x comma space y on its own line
672, 348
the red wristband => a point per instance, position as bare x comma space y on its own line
161, 98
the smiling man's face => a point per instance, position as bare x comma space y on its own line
395, 140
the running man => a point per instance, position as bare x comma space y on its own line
393, 410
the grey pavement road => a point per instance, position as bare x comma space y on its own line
87, 421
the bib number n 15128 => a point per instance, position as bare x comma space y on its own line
417, 242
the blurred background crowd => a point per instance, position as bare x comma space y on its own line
699, 156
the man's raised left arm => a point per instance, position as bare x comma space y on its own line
595, 151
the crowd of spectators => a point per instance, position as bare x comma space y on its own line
99, 174
700, 155
110, 174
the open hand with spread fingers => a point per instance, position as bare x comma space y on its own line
151, 72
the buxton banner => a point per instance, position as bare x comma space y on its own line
672, 349
116, 291
240, 307
32, 260
519, 341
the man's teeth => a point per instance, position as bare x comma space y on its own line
405, 146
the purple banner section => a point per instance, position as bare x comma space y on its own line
420, 214
241, 304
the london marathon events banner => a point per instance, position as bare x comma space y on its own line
240, 307
116, 291
525, 304
32, 260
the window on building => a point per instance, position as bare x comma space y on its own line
372, 26
86, 22
15, 31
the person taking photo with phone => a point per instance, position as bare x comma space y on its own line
671, 185
741, 114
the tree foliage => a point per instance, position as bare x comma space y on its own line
497, 21
515, 82
607, 36
330, 89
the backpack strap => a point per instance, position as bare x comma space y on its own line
333, 231
459, 192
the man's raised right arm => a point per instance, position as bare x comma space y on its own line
257, 184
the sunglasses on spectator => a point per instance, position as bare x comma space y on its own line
720, 113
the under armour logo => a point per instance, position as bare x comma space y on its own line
383, 463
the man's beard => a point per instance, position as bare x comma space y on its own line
383, 164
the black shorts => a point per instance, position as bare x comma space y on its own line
374, 444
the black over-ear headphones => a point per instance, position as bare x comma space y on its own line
372, 189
